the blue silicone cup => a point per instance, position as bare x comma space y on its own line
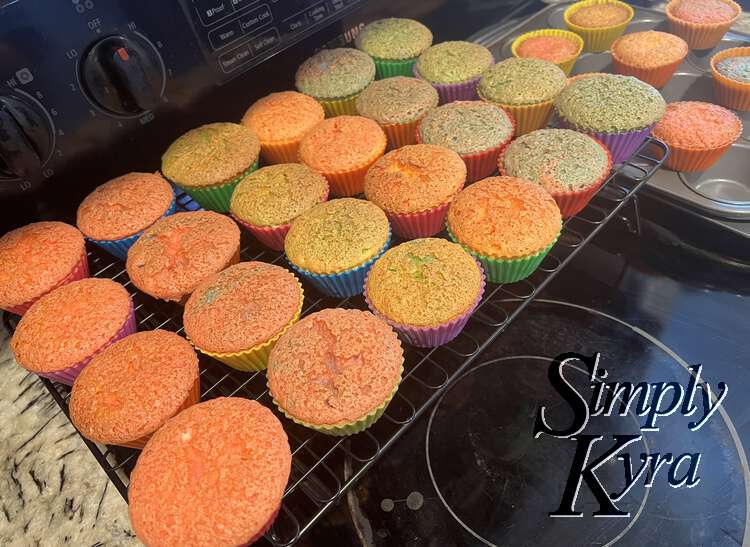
342, 284
119, 247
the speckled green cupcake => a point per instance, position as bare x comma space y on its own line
335, 77
620, 111
209, 161
454, 68
524, 87
394, 45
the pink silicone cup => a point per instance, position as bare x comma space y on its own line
422, 224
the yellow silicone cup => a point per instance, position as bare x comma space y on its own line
528, 117
597, 38
344, 106
567, 64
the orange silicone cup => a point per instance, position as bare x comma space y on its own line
280, 151
656, 76
700, 35
352, 181
400, 134
728, 92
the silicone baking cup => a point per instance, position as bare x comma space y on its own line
401, 134
429, 337
79, 271
216, 197
352, 181
68, 375
728, 92
700, 35
459, 91
599, 38
526, 117
656, 76
422, 224
280, 151
686, 159
566, 64
120, 247
256, 357
341, 106
620, 145
388, 68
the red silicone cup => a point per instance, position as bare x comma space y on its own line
79, 271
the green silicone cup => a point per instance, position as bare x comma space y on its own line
387, 68
217, 198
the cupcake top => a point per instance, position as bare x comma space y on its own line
704, 12
396, 100
424, 282
504, 217
35, 258
695, 124
547, 48
735, 68
175, 494
335, 366
70, 323
610, 103
337, 235
342, 143
649, 49
277, 194
394, 38
466, 127
174, 255
415, 178
335, 73
210, 154
241, 307
453, 62
560, 160
124, 206
600, 15
132, 387
283, 116
522, 81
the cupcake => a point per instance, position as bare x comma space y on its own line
506, 223
64, 329
414, 185
267, 200
477, 131
550, 44
454, 68
343, 149
731, 77
524, 87
426, 289
571, 166
697, 133
617, 110
598, 22
115, 214
334, 77
336, 371
334, 244
131, 388
237, 315
651, 56
702, 23
209, 161
178, 252
394, 45
36, 259
280, 120
214, 474
397, 104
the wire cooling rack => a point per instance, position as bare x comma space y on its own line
324, 467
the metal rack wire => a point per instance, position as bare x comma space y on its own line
325, 467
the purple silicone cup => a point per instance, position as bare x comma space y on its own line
462, 91
621, 145
430, 337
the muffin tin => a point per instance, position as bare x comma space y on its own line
723, 191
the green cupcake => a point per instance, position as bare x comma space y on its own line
453, 62
209, 161
394, 45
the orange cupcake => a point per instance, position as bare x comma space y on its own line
214, 474
280, 120
414, 185
336, 371
237, 315
343, 149
650, 56
697, 133
67, 327
131, 388
598, 22
178, 252
702, 23
37, 258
